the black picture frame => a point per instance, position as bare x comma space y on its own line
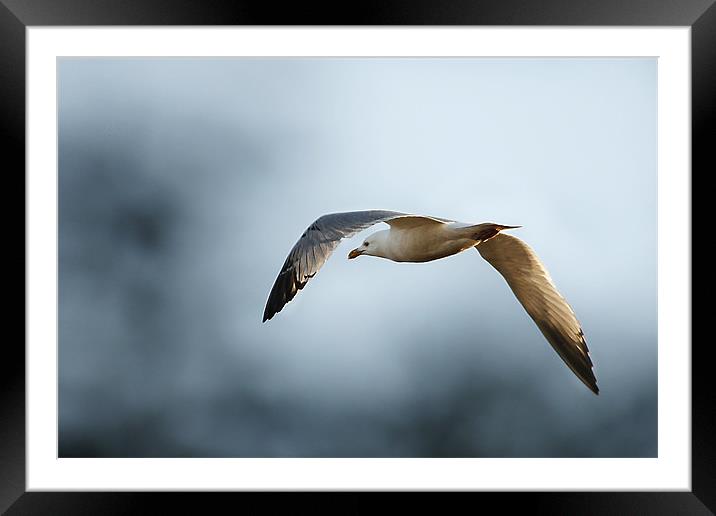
17, 15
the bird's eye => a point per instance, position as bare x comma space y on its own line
366, 244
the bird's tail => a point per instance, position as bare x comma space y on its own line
485, 231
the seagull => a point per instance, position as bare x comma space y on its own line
419, 238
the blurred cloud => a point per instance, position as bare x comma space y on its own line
183, 183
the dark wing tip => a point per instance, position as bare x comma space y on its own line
267, 314
277, 299
284, 290
587, 377
574, 353
586, 374
591, 382
587, 371
271, 310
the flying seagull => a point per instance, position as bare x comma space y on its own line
417, 238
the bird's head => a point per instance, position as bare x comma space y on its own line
372, 245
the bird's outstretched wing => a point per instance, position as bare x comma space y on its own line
313, 249
533, 287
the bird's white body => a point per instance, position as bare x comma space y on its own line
424, 244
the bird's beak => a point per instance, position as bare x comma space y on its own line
355, 253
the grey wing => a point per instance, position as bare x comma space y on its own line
313, 249
533, 287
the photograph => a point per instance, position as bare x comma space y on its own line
357, 257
